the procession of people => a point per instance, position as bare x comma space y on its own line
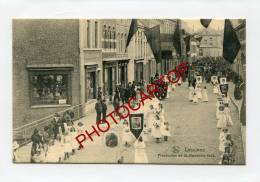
56, 141
216, 73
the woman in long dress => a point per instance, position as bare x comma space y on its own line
215, 89
156, 130
205, 95
198, 92
140, 154
127, 135
150, 117
228, 117
222, 118
191, 92
195, 98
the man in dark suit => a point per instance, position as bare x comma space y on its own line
98, 108
104, 109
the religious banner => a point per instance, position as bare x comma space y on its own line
136, 124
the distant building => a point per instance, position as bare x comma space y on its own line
211, 43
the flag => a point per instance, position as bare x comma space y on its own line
154, 40
187, 43
177, 39
132, 30
205, 22
231, 44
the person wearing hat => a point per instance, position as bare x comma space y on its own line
37, 143
56, 122
15, 152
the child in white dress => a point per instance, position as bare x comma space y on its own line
215, 89
198, 92
156, 130
150, 117
227, 114
140, 154
165, 130
195, 98
145, 133
222, 118
127, 135
191, 93
205, 95
222, 139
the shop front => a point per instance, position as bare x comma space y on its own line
139, 70
109, 77
122, 72
91, 82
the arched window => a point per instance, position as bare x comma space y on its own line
109, 38
104, 37
122, 44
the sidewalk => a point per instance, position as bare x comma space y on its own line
238, 104
24, 152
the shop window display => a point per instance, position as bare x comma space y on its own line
49, 89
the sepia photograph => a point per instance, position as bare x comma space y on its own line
79, 85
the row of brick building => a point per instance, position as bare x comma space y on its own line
58, 64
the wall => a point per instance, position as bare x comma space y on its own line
40, 42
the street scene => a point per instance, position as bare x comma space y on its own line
70, 74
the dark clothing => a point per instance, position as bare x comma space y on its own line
122, 94
104, 110
98, 108
116, 101
55, 126
36, 141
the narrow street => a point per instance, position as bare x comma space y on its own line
194, 140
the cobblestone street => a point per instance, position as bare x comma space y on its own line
194, 139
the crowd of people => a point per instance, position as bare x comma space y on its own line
56, 141
155, 129
204, 70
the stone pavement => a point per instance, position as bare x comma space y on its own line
194, 140
194, 136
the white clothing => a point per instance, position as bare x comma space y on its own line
228, 117
222, 140
191, 93
205, 95
215, 89
199, 93
195, 99
150, 118
222, 120
140, 154
165, 130
156, 130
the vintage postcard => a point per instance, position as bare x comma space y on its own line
149, 91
